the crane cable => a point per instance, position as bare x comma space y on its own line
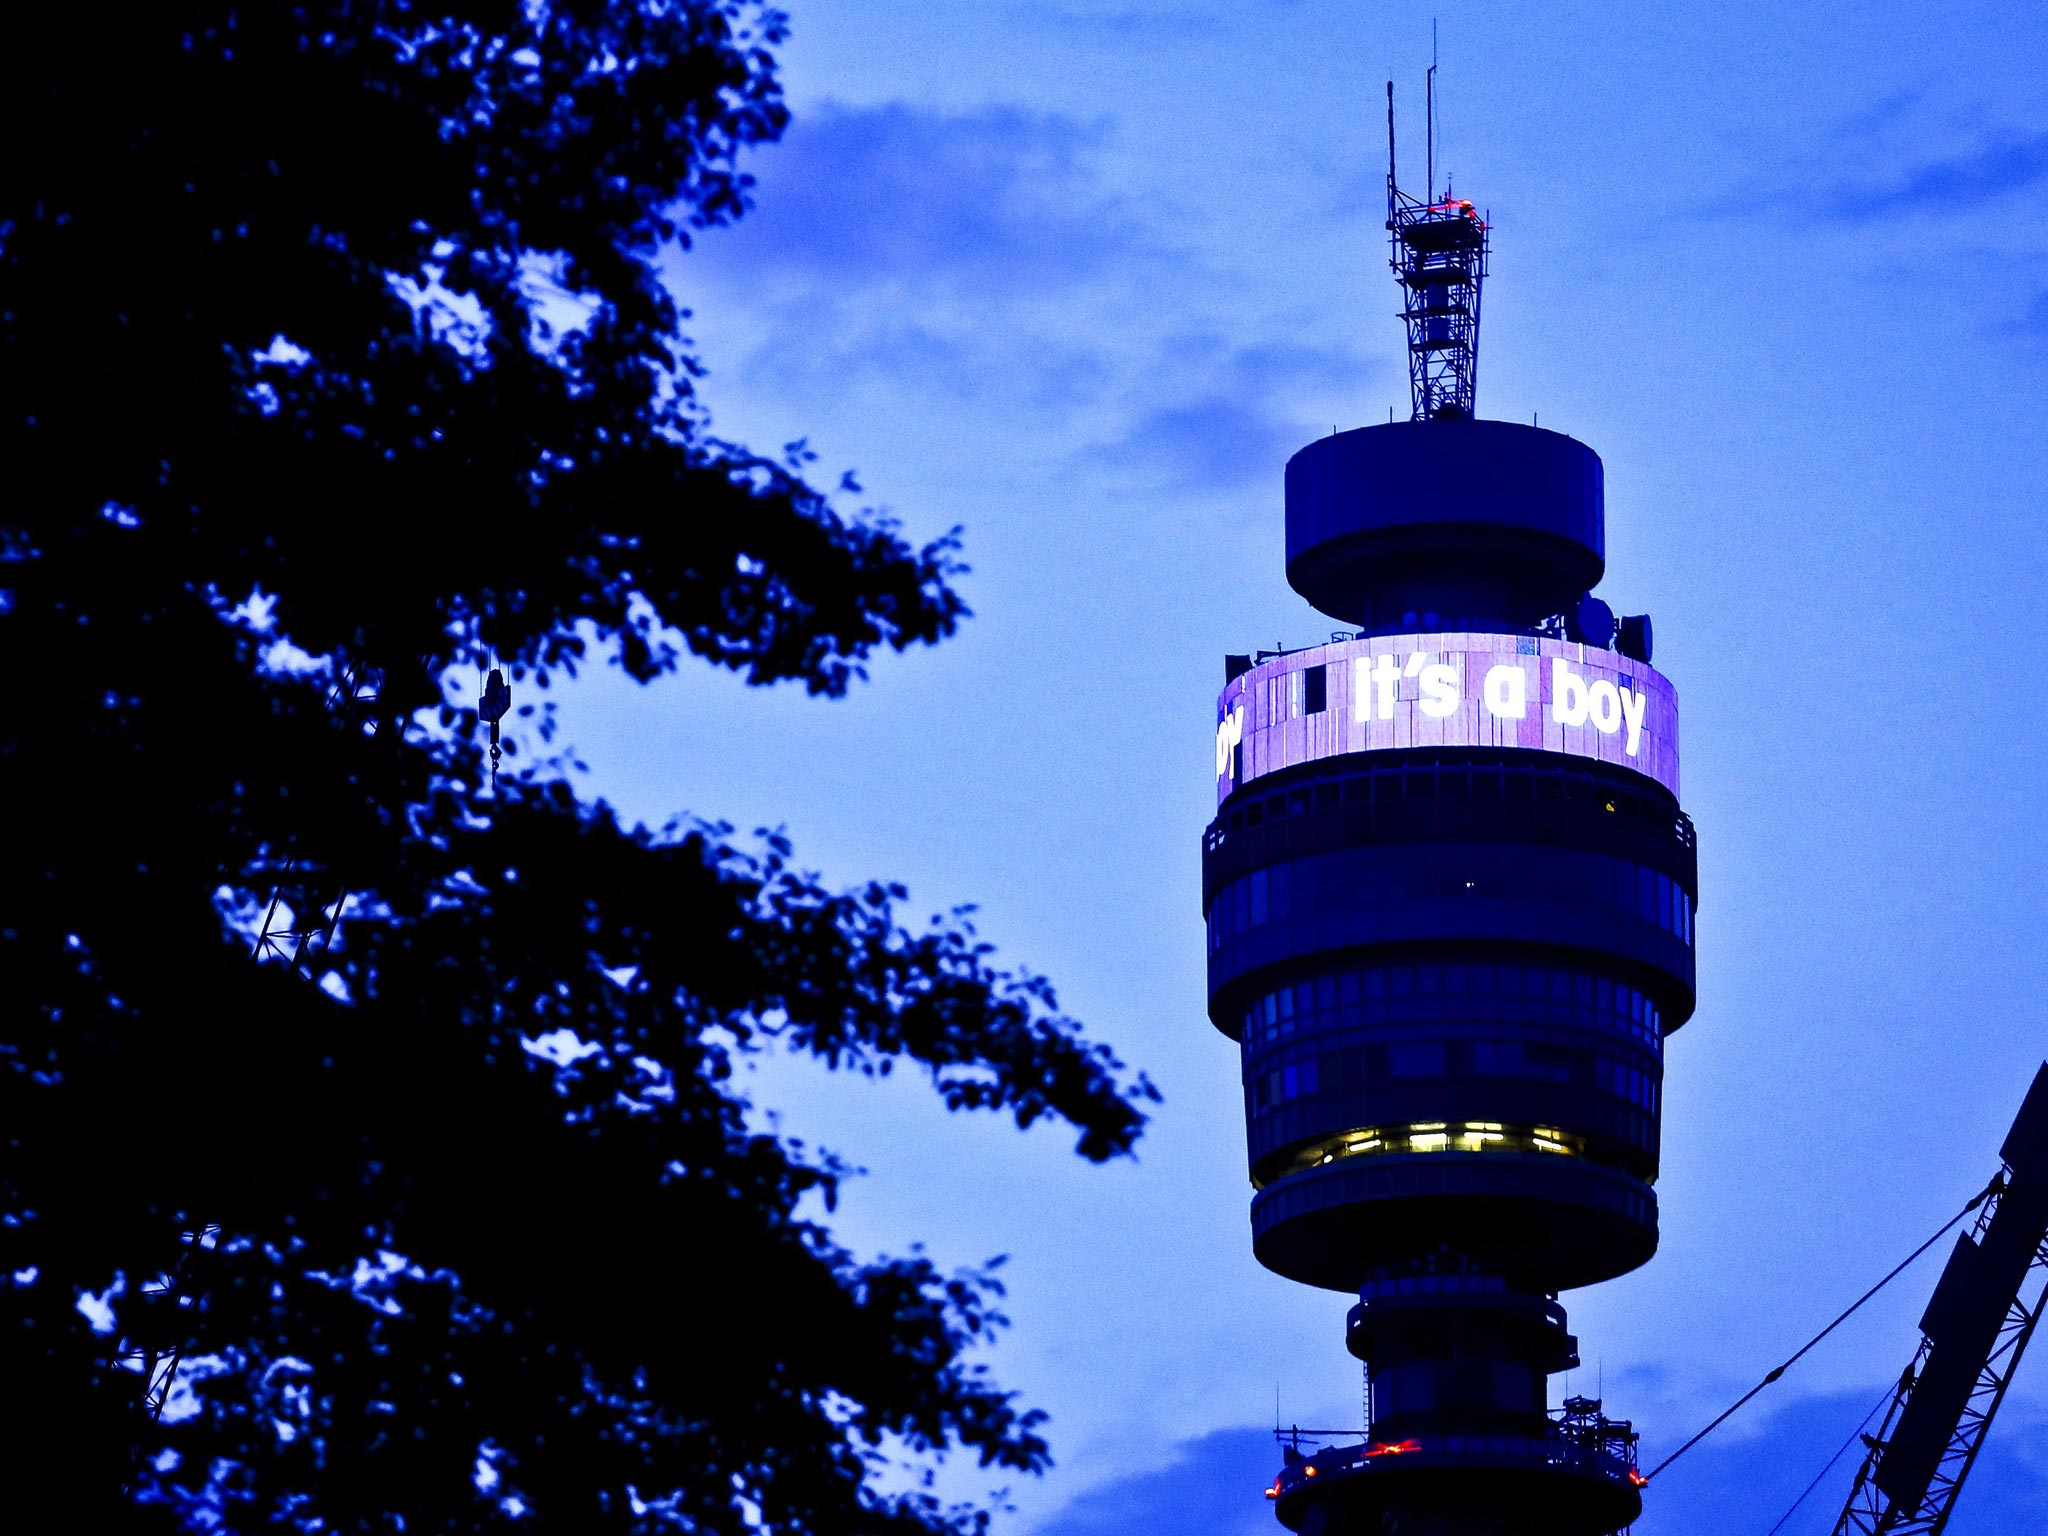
1996, 1184
1824, 1471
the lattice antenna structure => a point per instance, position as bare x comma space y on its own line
1438, 250
1984, 1311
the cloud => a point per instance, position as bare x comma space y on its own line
1230, 416
1119, 23
2032, 319
1879, 118
976, 254
1960, 184
984, 263
1214, 1485
894, 193
1217, 444
1882, 163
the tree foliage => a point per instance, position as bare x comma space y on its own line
332, 349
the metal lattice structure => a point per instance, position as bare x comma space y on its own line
1438, 250
1972, 1337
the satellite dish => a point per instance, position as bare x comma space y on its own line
1634, 637
1590, 623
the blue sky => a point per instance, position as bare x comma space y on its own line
1080, 277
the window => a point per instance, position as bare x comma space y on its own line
1416, 1058
1497, 1058
1555, 1011
1315, 690
1550, 1063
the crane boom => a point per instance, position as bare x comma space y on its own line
1973, 1334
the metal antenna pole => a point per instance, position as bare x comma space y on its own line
1390, 154
1429, 128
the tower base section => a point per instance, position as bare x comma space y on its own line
1460, 1443
1459, 1486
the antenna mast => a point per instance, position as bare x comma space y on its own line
1429, 135
1438, 253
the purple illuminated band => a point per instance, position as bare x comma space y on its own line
1455, 690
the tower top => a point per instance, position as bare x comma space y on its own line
1438, 249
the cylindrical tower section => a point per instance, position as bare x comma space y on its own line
1450, 898
1450, 894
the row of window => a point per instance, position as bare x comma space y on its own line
1292, 1136
1454, 775
1359, 1068
1290, 695
1435, 1136
1456, 1284
1407, 872
1394, 994
1466, 1386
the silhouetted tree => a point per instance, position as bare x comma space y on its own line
331, 347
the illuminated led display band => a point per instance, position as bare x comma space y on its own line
1453, 690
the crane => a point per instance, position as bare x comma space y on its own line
1973, 1333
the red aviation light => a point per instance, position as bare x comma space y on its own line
1308, 1471
1637, 1478
1393, 1448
